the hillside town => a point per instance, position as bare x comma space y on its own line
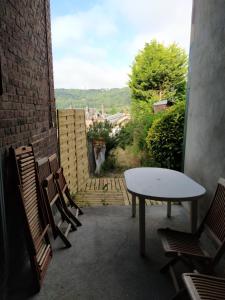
116, 120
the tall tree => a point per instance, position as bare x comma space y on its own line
159, 72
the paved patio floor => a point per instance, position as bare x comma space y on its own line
104, 261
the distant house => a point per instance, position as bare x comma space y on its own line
93, 115
161, 105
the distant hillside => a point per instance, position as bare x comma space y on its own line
114, 100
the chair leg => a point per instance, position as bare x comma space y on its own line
70, 214
166, 267
72, 203
65, 217
63, 237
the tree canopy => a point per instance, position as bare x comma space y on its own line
159, 72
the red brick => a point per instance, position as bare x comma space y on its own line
27, 76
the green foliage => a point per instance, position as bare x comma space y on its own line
141, 130
103, 131
159, 72
125, 135
114, 100
100, 130
109, 164
135, 132
165, 137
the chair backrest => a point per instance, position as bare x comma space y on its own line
204, 287
48, 190
53, 162
214, 222
33, 207
58, 172
43, 169
215, 218
51, 190
61, 181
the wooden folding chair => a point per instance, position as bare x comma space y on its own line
52, 199
204, 287
36, 226
186, 247
63, 190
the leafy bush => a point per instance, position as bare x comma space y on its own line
125, 135
103, 131
109, 164
141, 131
165, 137
100, 130
134, 133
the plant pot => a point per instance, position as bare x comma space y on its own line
98, 142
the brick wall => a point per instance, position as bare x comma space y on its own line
27, 106
27, 115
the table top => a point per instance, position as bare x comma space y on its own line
162, 184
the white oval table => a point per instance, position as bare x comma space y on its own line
160, 184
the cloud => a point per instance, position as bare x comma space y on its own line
148, 14
94, 48
77, 73
93, 23
167, 36
167, 21
90, 53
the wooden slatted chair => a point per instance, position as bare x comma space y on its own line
186, 247
52, 199
64, 191
39, 246
204, 287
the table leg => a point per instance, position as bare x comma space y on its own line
142, 225
194, 216
169, 209
133, 206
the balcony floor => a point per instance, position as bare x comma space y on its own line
104, 261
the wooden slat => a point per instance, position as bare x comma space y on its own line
28, 175
203, 287
30, 198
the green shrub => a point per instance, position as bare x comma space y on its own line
134, 133
125, 135
103, 131
109, 164
165, 137
100, 130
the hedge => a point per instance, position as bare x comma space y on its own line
165, 137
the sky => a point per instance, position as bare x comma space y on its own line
95, 41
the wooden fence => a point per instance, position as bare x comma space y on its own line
73, 147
